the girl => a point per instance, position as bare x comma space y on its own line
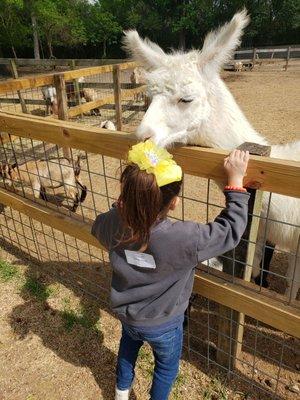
154, 259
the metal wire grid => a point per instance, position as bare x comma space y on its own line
201, 200
33, 98
133, 106
267, 356
91, 88
67, 255
80, 91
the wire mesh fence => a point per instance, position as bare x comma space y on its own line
33, 102
266, 365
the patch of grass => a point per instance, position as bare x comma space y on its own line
179, 381
146, 361
31, 397
54, 289
144, 354
220, 389
207, 394
7, 271
37, 289
216, 390
72, 317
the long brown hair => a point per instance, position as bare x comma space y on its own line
142, 202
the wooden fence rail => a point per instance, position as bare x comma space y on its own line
269, 50
61, 62
65, 62
31, 82
268, 174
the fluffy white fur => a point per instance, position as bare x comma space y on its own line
108, 125
212, 118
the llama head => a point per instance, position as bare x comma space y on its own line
180, 84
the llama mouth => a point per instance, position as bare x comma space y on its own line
179, 137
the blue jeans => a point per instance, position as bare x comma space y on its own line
166, 347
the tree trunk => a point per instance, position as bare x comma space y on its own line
104, 49
35, 37
49, 42
182, 43
14, 51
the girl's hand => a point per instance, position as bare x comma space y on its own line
236, 166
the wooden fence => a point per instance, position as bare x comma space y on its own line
271, 51
245, 298
61, 62
119, 91
285, 53
274, 175
276, 51
268, 55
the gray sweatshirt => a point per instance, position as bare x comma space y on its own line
151, 288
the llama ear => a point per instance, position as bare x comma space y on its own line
219, 45
149, 54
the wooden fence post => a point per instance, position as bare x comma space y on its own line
254, 56
14, 72
118, 95
76, 84
238, 263
62, 105
288, 57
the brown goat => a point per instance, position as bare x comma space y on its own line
47, 174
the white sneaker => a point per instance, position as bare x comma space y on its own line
121, 394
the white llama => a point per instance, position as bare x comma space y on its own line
191, 104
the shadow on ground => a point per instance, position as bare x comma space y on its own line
84, 347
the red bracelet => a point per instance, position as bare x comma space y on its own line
236, 188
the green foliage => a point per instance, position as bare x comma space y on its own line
13, 27
7, 271
100, 25
97, 25
59, 23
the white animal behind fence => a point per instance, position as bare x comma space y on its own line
137, 77
45, 175
108, 125
86, 95
238, 66
191, 104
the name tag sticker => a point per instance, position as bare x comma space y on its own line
141, 260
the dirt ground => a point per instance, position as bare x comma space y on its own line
57, 342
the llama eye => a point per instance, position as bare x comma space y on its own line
185, 100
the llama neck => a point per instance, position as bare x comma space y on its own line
227, 127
